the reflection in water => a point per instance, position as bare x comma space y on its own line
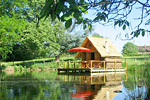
96, 86
50, 86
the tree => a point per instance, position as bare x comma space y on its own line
96, 35
116, 11
39, 42
10, 30
69, 41
130, 49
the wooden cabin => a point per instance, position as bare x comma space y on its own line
102, 50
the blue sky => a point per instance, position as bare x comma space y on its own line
110, 32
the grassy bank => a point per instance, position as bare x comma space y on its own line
45, 63
137, 62
133, 63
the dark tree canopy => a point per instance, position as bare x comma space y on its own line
117, 11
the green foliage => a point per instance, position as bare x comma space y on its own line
70, 11
97, 35
12, 7
130, 49
106, 11
25, 9
100, 16
10, 30
123, 23
69, 41
138, 32
39, 42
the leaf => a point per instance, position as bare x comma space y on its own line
116, 22
124, 27
46, 9
96, 19
81, 1
127, 23
132, 33
120, 23
53, 17
67, 16
89, 26
84, 27
143, 33
77, 15
68, 23
83, 10
79, 21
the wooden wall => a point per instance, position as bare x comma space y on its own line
87, 56
111, 63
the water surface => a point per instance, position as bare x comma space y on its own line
51, 86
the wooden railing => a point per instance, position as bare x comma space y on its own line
90, 64
92, 79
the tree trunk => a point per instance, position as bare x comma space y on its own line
57, 58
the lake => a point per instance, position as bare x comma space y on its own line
46, 85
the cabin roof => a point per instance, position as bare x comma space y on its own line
100, 45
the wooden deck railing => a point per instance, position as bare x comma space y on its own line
90, 64
94, 79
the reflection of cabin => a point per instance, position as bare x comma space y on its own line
102, 50
95, 86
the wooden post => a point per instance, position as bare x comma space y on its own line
119, 67
65, 78
115, 76
115, 65
68, 78
104, 66
91, 64
64, 64
91, 67
99, 64
104, 78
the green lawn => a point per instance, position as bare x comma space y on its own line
137, 62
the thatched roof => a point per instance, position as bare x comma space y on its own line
100, 46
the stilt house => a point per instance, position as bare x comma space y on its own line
102, 50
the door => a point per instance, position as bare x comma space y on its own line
92, 56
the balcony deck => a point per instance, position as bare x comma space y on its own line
93, 67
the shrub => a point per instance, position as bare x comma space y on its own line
130, 49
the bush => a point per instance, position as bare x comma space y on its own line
130, 49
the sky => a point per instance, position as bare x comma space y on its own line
111, 32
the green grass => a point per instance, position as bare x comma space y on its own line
137, 62
43, 63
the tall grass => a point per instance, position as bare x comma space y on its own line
137, 63
137, 85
